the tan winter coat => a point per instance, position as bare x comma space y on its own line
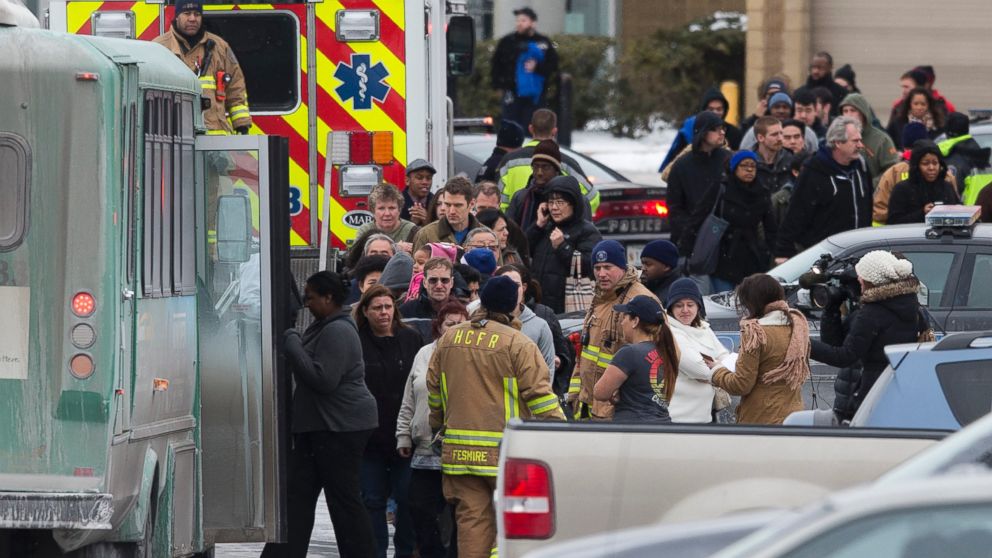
762, 403
603, 339
892, 176
483, 374
440, 231
223, 115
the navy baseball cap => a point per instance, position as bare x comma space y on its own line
644, 307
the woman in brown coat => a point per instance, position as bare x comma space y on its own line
774, 356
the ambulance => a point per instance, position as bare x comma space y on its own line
358, 87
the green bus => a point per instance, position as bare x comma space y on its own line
144, 280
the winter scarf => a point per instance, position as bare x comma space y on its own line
795, 367
878, 293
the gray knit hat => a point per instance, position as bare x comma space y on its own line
398, 272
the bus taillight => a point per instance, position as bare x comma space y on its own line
81, 366
83, 304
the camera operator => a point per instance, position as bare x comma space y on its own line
889, 314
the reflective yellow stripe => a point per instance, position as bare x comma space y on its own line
494, 553
472, 437
217, 133
479, 470
444, 391
575, 385
605, 360
877, 224
511, 399
238, 109
433, 401
543, 404
208, 79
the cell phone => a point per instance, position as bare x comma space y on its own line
545, 211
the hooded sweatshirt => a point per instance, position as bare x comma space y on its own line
734, 133
836, 89
828, 199
911, 196
880, 153
694, 175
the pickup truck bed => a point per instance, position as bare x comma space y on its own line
607, 476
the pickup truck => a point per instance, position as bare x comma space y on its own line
561, 481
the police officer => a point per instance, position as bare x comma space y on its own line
213, 61
483, 373
602, 335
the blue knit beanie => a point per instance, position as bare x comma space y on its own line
682, 289
780, 97
913, 132
189, 6
663, 251
740, 156
482, 259
499, 295
611, 252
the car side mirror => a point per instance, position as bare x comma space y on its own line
460, 40
233, 228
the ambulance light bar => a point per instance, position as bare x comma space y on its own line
360, 148
956, 220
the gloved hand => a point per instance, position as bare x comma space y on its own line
242, 130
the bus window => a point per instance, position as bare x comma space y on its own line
15, 161
268, 49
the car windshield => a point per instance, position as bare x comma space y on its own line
480, 150
965, 451
795, 266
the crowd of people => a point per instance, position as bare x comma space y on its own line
443, 326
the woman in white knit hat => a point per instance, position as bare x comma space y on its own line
890, 313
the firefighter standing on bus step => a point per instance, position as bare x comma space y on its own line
213, 61
602, 336
483, 373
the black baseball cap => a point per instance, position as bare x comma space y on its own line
644, 307
527, 12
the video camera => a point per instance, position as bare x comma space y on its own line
831, 281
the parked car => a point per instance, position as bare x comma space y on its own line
944, 516
630, 213
946, 385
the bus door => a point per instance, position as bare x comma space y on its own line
243, 307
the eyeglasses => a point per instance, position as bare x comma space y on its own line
748, 166
436, 280
490, 247
557, 203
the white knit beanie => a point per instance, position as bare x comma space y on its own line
880, 267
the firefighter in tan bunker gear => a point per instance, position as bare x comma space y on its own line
213, 61
602, 336
483, 373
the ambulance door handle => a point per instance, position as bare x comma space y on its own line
127, 294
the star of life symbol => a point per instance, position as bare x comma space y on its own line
361, 81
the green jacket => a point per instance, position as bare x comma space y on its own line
880, 152
514, 174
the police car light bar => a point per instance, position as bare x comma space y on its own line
957, 220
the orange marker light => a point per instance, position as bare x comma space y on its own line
382, 148
161, 384
87, 76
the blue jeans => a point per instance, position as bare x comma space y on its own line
384, 477
721, 285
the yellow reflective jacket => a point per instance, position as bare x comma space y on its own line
514, 175
602, 338
223, 115
483, 374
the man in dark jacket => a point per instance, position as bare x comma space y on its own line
715, 102
833, 193
821, 75
774, 161
660, 267
961, 152
557, 232
694, 174
890, 314
522, 68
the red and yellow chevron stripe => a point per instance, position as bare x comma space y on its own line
333, 114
